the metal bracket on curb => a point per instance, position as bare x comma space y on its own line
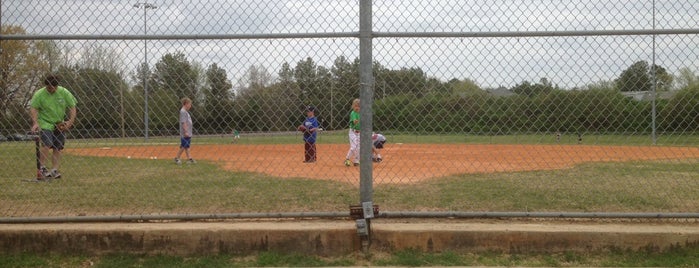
364, 210
362, 227
362, 215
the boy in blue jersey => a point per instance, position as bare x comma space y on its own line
310, 134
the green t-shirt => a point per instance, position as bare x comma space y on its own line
52, 107
354, 116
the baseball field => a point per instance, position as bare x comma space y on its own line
265, 173
403, 163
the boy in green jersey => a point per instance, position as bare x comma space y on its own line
353, 152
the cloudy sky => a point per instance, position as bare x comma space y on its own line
491, 62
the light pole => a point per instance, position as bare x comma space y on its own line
145, 6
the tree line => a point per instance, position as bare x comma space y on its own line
112, 103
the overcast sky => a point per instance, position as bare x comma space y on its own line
491, 62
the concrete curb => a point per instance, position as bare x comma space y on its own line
534, 237
336, 238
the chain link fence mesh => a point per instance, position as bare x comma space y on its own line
486, 105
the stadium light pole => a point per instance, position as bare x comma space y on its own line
145, 6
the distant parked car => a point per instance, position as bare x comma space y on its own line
2, 138
19, 137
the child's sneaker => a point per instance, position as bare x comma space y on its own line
348, 163
55, 174
177, 161
191, 161
45, 172
356, 164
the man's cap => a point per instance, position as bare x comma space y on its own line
311, 109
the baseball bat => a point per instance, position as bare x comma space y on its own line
37, 150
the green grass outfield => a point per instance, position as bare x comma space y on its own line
109, 186
678, 257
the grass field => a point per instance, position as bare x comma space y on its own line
109, 186
119, 186
680, 257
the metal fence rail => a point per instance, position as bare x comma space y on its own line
520, 109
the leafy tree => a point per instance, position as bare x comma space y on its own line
173, 78
639, 77
50, 57
662, 77
552, 108
288, 91
307, 77
407, 80
256, 105
526, 88
634, 78
316, 87
344, 88
12, 78
390, 112
287, 83
324, 96
218, 101
286, 75
600, 85
254, 79
681, 114
142, 74
686, 78
175, 74
466, 87
101, 58
136, 100
23, 65
99, 94
280, 112
380, 81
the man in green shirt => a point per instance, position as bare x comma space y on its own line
48, 108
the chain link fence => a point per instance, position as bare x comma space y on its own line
486, 106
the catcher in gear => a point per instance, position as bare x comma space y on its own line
48, 111
377, 141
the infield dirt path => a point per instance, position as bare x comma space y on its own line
403, 163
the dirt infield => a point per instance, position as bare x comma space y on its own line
403, 163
